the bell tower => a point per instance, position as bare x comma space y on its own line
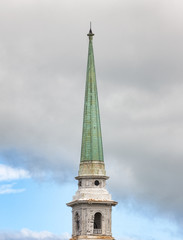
91, 204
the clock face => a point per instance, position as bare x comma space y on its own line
96, 183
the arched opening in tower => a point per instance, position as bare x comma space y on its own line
77, 222
98, 221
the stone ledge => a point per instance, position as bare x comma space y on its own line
92, 176
92, 201
92, 237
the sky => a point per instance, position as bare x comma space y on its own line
138, 57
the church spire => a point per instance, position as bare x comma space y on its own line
92, 203
91, 149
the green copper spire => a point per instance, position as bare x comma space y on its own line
91, 149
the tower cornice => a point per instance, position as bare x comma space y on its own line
92, 177
92, 201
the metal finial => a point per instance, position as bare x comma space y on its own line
90, 34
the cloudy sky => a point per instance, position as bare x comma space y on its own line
138, 56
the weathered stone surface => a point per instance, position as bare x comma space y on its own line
88, 190
92, 168
86, 214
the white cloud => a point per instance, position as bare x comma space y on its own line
27, 234
8, 173
8, 188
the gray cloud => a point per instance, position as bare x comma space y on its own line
138, 52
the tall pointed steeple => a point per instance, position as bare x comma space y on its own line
91, 148
92, 203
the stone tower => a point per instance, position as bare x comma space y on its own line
92, 204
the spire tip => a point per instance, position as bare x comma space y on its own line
90, 34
